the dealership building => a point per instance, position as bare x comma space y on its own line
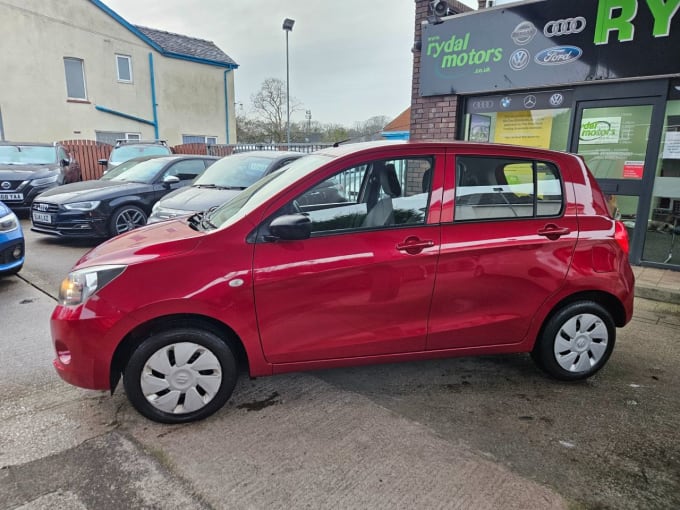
600, 78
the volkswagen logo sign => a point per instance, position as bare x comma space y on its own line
564, 26
530, 101
519, 59
6, 185
524, 33
556, 99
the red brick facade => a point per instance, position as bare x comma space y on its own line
432, 118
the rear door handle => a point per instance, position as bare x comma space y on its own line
553, 232
414, 245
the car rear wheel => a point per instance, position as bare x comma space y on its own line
576, 341
126, 218
180, 375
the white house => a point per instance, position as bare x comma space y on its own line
76, 69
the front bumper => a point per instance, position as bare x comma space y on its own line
85, 338
8, 249
72, 224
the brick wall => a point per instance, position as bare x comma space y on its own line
434, 117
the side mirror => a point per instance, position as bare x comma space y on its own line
103, 161
291, 227
65, 162
169, 180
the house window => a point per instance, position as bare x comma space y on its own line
124, 67
209, 140
75, 78
110, 137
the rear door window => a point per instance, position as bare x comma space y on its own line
491, 188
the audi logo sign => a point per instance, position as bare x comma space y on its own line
564, 26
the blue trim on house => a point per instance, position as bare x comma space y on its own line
125, 115
153, 95
226, 103
396, 135
153, 44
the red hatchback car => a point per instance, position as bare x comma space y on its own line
432, 250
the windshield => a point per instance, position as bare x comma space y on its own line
27, 155
116, 171
125, 152
141, 171
237, 171
265, 188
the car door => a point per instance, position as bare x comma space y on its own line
505, 250
361, 285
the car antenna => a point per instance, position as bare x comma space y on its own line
337, 144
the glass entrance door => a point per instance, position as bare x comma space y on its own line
613, 138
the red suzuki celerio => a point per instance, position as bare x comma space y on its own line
428, 250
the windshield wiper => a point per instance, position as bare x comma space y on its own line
205, 218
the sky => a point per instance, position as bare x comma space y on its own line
349, 60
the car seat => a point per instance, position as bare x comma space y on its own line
382, 213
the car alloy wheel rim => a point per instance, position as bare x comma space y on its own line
129, 219
181, 378
581, 343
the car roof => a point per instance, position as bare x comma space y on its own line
270, 154
34, 144
354, 148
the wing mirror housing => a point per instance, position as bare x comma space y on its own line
169, 180
290, 227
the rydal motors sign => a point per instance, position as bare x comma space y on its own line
550, 42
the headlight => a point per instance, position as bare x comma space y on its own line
79, 285
82, 206
45, 180
9, 223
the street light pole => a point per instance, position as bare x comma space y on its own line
288, 27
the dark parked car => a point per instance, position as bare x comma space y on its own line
28, 169
125, 150
11, 242
120, 201
222, 182
498, 249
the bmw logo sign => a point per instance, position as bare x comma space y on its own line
505, 102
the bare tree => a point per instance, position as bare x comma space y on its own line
269, 103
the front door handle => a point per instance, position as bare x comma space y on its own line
414, 245
553, 232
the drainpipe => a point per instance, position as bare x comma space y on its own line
153, 96
226, 104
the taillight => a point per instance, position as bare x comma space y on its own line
621, 236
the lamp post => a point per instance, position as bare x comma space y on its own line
288, 27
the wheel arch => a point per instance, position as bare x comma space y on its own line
125, 348
608, 301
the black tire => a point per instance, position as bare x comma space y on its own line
576, 341
126, 218
205, 376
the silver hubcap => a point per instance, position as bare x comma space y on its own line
581, 342
129, 219
181, 378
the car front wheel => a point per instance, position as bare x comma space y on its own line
128, 217
576, 341
180, 375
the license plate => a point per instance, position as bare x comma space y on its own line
11, 196
42, 217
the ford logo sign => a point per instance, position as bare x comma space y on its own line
558, 55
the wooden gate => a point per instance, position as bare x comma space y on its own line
88, 153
